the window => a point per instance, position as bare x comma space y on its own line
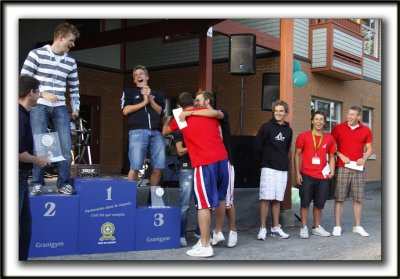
367, 117
369, 29
332, 110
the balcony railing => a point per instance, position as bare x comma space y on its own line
349, 24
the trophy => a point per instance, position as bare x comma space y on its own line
157, 197
48, 145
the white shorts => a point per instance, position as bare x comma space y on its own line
272, 184
231, 187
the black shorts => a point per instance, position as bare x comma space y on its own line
313, 189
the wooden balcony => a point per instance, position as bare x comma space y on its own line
336, 48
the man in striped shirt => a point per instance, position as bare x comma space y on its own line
53, 67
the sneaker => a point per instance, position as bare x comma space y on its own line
262, 234
37, 190
320, 231
183, 241
66, 190
277, 231
217, 238
304, 233
337, 231
232, 239
360, 230
200, 251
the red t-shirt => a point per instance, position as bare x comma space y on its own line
351, 142
203, 140
306, 144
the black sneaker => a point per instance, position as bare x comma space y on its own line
66, 190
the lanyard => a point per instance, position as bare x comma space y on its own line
315, 144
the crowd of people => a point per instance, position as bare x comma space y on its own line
203, 146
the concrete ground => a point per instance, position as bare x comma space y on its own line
348, 247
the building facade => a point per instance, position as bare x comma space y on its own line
340, 57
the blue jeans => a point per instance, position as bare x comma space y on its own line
40, 116
186, 192
25, 218
143, 140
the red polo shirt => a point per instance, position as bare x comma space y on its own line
306, 144
351, 142
203, 140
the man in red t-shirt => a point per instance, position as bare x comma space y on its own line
312, 147
351, 137
209, 159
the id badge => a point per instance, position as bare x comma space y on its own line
316, 160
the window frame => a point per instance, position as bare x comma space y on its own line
370, 114
330, 121
376, 32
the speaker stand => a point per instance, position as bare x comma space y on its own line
241, 105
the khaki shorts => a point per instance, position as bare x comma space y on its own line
346, 178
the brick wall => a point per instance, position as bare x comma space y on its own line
227, 89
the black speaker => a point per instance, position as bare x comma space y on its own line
247, 171
271, 87
242, 54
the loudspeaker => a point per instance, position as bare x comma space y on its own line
271, 87
247, 171
242, 54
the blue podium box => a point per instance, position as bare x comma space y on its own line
157, 228
107, 215
54, 225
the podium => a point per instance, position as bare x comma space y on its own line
106, 215
157, 228
102, 217
54, 225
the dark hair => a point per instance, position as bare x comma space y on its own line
356, 108
207, 96
280, 103
26, 84
185, 99
64, 29
318, 112
140, 67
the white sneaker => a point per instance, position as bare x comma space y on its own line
337, 231
277, 231
232, 239
217, 238
262, 234
183, 241
360, 230
320, 231
200, 251
304, 233
37, 190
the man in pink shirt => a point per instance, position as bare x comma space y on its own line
351, 137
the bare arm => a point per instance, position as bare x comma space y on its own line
132, 108
166, 130
331, 165
180, 149
366, 155
297, 158
28, 158
212, 113
146, 91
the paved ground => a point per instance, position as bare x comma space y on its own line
348, 247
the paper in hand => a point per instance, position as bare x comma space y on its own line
176, 112
326, 170
353, 165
